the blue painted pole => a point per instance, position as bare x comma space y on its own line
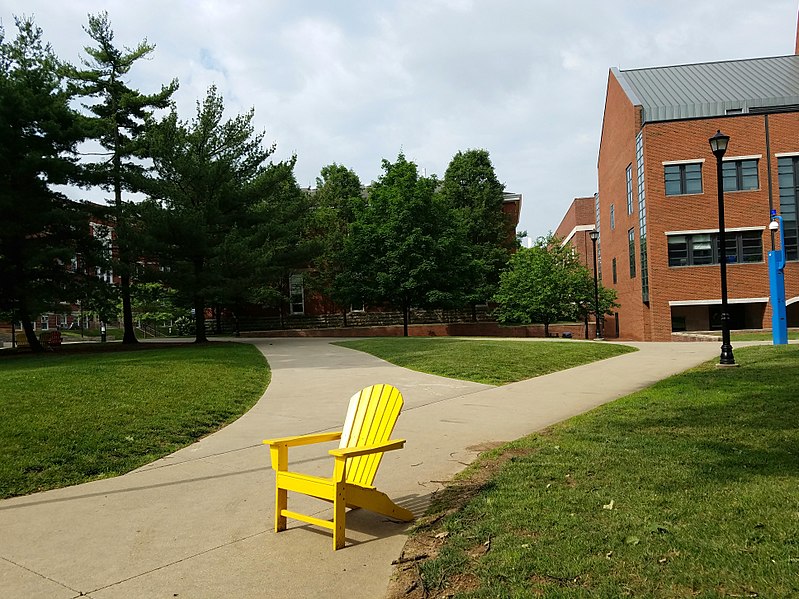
776, 273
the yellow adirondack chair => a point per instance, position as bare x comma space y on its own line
371, 416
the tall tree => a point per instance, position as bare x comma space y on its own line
474, 193
336, 201
400, 247
119, 113
41, 233
224, 219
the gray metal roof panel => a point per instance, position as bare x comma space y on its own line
710, 89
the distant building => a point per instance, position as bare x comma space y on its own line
579, 221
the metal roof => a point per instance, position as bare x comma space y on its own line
713, 88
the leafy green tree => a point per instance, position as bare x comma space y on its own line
336, 201
119, 115
538, 286
400, 249
474, 193
45, 240
222, 219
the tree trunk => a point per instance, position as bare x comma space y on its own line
199, 319
405, 313
586, 325
546, 329
199, 305
474, 312
30, 334
129, 334
218, 321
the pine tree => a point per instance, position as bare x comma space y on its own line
119, 116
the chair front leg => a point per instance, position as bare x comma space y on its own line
280, 463
281, 503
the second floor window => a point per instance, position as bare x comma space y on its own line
739, 175
683, 179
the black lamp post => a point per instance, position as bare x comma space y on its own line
594, 235
718, 145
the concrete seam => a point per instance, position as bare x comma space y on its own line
40, 575
181, 560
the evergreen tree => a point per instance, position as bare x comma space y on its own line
119, 116
45, 242
224, 221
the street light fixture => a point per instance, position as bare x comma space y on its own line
594, 235
718, 145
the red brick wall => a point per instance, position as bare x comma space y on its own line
580, 213
620, 125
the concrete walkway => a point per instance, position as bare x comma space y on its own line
198, 523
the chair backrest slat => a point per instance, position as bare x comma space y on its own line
371, 416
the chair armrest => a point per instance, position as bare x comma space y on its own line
303, 439
352, 452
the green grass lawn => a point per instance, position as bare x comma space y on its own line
758, 336
688, 488
68, 418
494, 362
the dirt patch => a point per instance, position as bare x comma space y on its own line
429, 536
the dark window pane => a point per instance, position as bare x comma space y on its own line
749, 174
693, 178
678, 251
751, 246
672, 173
701, 249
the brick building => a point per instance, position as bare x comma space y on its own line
577, 223
657, 202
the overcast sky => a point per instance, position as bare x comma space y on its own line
353, 82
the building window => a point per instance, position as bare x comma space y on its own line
739, 175
631, 247
45, 322
788, 168
296, 295
612, 217
629, 189
700, 249
613, 267
683, 178
639, 163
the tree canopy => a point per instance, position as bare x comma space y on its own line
401, 249
223, 221
546, 283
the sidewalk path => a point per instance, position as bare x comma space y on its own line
198, 523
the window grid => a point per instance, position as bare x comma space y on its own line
639, 163
739, 175
703, 249
612, 217
788, 173
631, 249
629, 188
682, 179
